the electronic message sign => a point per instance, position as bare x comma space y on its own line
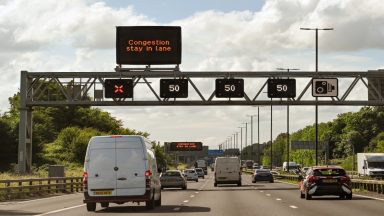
118, 88
186, 146
173, 88
229, 88
281, 88
148, 45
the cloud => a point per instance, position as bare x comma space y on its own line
76, 35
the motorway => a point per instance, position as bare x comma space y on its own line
201, 198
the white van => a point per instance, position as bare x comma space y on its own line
227, 171
119, 169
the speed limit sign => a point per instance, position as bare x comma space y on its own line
281, 88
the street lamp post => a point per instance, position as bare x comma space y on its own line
246, 136
317, 109
241, 142
252, 132
271, 135
288, 146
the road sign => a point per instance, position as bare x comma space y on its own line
229, 88
217, 152
118, 88
281, 88
148, 45
173, 88
186, 146
325, 87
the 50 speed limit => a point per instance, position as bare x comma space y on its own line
174, 88
229, 88
281, 88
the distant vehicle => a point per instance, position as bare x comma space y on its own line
292, 166
191, 174
325, 180
255, 166
200, 172
262, 175
119, 169
370, 164
249, 164
202, 164
227, 171
173, 179
212, 166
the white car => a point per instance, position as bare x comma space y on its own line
191, 174
119, 169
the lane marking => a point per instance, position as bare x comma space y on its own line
196, 192
35, 200
185, 201
367, 197
294, 207
60, 210
267, 194
177, 209
192, 196
261, 191
278, 199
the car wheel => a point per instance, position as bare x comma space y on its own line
342, 196
348, 196
215, 184
307, 196
302, 196
150, 204
162, 188
184, 187
197, 180
91, 206
271, 181
203, 177
253, 181
104, 204
158, 202
239, 184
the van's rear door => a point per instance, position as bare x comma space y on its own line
101, 174
131, 160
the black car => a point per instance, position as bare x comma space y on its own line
262, 175
325, 180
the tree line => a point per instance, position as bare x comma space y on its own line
361, 131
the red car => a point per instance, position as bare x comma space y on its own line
325, 180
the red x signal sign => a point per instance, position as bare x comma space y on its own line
118, 88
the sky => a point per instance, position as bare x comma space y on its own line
217, 35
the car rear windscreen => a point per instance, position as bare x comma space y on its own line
329, 172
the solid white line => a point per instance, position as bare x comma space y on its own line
368, 197
34, 200
60, 210
186, 201
294, 207
177, 209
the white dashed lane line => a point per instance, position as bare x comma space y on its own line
185, 201
294, 207
278, 199
192, 196
267, 194
177, 209
196, 192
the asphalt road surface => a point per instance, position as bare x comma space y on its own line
202, 198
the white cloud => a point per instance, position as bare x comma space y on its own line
76, 35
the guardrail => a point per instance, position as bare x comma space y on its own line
18, 188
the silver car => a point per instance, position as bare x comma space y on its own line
173, 179
191, 174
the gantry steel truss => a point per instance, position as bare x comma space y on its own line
76, 90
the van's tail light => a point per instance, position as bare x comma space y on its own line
148, 179
85, 180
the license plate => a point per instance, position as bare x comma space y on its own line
102, 192
329, 180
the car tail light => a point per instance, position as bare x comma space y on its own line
147, 178
85, 180
345, 179
313, 179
